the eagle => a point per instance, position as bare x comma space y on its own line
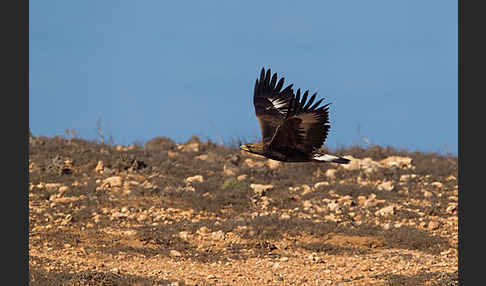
293, 127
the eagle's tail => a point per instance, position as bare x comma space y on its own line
329, 158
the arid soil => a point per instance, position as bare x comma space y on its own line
199, 213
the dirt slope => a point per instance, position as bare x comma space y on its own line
203, 214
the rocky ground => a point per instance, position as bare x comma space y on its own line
203, 214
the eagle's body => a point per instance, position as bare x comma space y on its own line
293, 129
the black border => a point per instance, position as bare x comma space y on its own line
15, 141
15, 118
471, 112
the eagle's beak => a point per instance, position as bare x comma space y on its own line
244, 148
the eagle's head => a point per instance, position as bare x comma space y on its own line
255, 148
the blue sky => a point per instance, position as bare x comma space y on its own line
183, 68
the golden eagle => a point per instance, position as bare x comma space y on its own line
293, 128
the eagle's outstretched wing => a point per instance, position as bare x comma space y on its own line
305, 127
271, 102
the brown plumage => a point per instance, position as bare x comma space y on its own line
293, 128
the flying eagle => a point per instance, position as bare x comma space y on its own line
293, 128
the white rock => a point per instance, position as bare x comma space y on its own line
175, 253
306, 189
99, 167
252, 163
331, 173
386, 211
115, 181
434, 224
333, 206
63, 189
204, 230
428, 194
386, 186
437, 184
191, 147
320, 184
196, 178
397, 161
261, 189
52, 186
273, 164
218, 235
451, 208
242, 177
306, 204
203, 157
407, 177
285, 216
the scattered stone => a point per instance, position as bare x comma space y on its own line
330, 217
313, 257
142, 217
242, 177
252, 163
52, 186
196, 178
264, 202
229, 172
319, 185
331, 173
369, 203
67, 219
284, 259
285, 216
63, 189
203, 157
190, 147
175, 253
361, 200
362, 181
306, 189
184, 235
452, 208
100, 168
386, 186
203, 230
407, 177
115, 181
366, 164
386, 211
428, 194
397, 161
63, 200
172, 154
273, 164
333, 206
433, 225
318, 173
218, 235
437, 184
261, 189
306, 204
